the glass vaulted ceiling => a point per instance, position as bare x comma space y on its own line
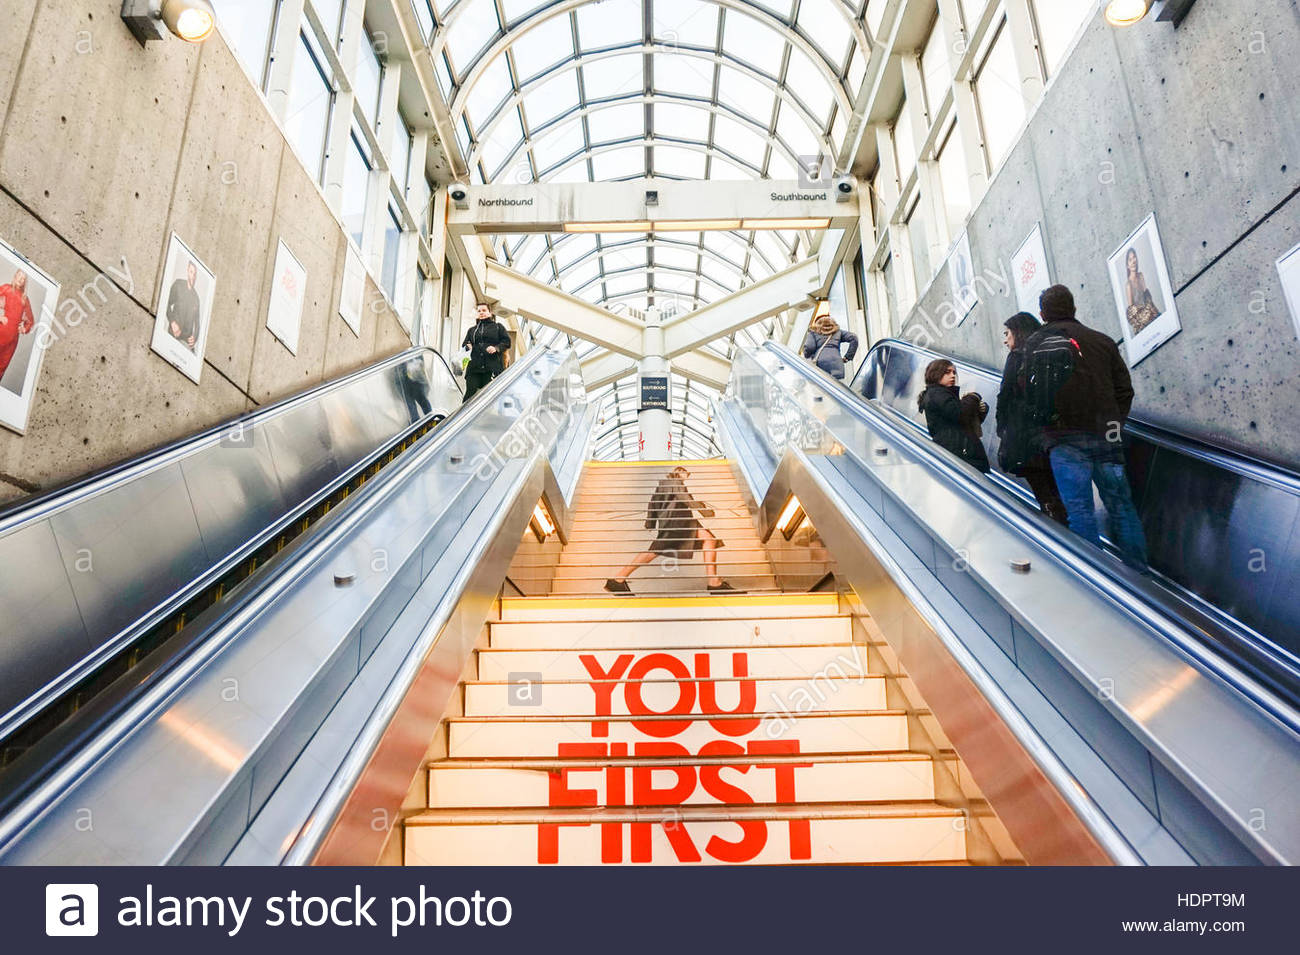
598, 90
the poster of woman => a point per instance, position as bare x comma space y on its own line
180, 331
27, 300
1144, 296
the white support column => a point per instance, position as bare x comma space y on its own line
900, 248
280, 70
927, 170
655, 423
963, 99
1029, 68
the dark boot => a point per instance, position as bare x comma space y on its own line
617, 586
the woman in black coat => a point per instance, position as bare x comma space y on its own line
1020, 451
941, 404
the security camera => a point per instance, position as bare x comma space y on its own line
845, 187
458, 192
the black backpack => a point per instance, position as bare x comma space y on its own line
1051, 360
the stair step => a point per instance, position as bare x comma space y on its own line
655, 697
626, 631
693, 607
851, 833
648, 781
760, 662
514, 736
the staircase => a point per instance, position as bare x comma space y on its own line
677, 729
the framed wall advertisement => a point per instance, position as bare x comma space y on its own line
1144, 296
27, 300
288, 290
180, 331
1029, 271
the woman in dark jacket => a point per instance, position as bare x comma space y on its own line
1019, 449
942, 405
822, 344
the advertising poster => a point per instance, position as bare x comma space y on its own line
1288, 268
1144, 296
288, 289
27, 300
961, 273
180, 331
354, 289
1029, 271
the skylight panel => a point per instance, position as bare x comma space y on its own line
746, 39
679, 121
615, 123
745, 95
613, 76
518, 9
492, 87
679, 161
625, 284
780, 7
474, 27
727, 171
505, 136
671, 256
739, 140
551, 98
575, 171
609, 23
824, 23
689, 22
558, 144
542, 46
810, 85
571, 249
686, 75
794, 132
578, 276
621, 163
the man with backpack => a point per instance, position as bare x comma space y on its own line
1078, 393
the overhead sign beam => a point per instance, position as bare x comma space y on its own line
653, 205
791, 288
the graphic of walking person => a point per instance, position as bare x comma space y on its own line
672, 512
16, 317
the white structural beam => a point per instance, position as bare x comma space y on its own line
604, 368
703, 368
556, 309
790, 288
651, 205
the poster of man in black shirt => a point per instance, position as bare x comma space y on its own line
180, 329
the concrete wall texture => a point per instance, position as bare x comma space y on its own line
1201, 126
106, 148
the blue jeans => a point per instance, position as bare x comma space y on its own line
1076, 467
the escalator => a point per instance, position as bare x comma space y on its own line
1140, 708
108, 570
1222, 529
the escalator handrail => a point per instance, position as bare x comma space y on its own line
1152, 609
77, 746
41, 505
1240, 463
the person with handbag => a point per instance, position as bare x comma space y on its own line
671, 512
1020, 450
823, 342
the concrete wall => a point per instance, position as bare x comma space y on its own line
106, 148
1201, 126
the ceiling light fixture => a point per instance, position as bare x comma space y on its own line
191, 20
1125, 13
785, 224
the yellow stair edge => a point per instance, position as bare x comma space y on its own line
686, 600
